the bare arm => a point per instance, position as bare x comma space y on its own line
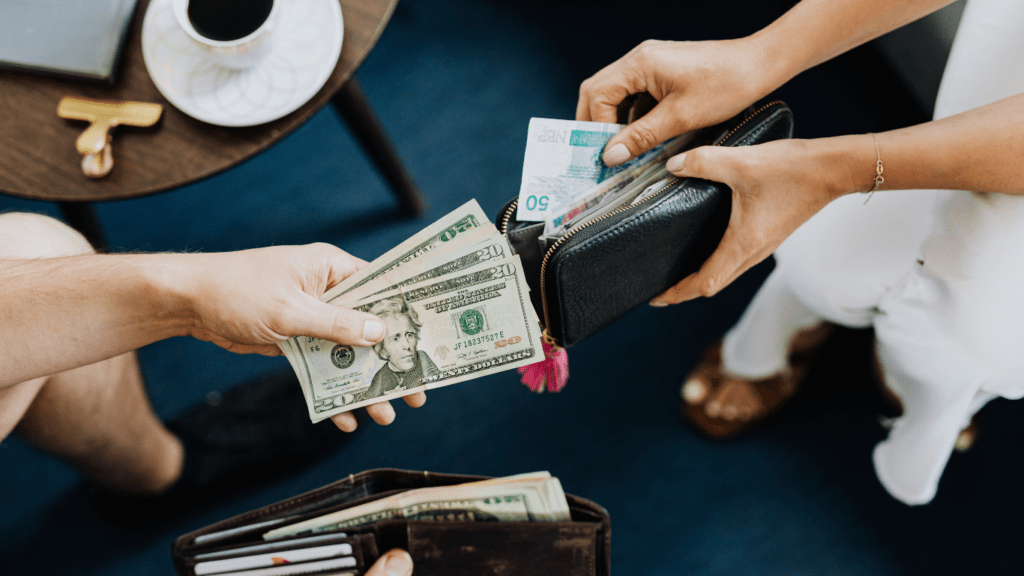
777, 186
815, 31
61, 313
698, 84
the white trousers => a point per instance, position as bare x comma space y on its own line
938, 274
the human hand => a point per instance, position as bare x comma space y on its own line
776, 187
248, 301
696, 84
397, 562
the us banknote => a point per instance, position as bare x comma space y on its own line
538, 499
465, 223
448, 329
448, 230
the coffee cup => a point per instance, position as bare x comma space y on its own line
236, 34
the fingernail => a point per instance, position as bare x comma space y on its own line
659, 304
400, 564
616, 155
373, 330
675, 163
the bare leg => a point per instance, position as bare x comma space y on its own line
97, 417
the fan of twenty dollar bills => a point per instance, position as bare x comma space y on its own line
455, 306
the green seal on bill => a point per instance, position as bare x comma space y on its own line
472, 322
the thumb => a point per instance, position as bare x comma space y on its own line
336, 324
651, 129
394, 563
707, 162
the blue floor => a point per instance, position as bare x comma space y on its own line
455, 83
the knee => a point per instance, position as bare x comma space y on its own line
15, 401
24, 235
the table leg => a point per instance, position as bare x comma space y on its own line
351, 103
81, 217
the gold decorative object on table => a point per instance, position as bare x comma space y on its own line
104, 115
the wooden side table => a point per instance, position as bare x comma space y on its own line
38, 159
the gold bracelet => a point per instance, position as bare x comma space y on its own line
878, 180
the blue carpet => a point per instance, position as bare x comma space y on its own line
455, 84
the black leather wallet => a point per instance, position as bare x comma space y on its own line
579, 547
601, 269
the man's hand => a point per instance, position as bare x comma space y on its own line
696, 84
395, 563
248, 301
776, 187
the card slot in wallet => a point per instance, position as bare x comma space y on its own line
362, 550
347, 551
289, 543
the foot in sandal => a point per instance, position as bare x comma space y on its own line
721, 405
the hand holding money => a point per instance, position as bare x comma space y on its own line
248, 301
454, 304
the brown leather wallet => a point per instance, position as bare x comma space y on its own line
580, 547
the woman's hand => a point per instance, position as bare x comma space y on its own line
696, 84
776, 187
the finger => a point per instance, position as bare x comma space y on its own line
416, 400
708, 162
395, 563
341, 265
346, 421
382, 413
333, 323
606, 111
236, 348
616, 83
653, 128
583, 105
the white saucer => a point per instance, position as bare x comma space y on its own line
307, 44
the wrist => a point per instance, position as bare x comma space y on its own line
773, 57
169, 281
847, 164
764, 73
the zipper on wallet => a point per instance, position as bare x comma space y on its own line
551, 251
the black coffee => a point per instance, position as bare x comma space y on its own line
226, 20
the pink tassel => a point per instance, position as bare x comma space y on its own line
552, 372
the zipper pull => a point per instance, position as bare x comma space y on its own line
552, 372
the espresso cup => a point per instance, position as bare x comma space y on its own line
239, 53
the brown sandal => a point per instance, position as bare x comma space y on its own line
772, 392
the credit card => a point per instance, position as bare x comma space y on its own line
303, 568
270, 546
277, 558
